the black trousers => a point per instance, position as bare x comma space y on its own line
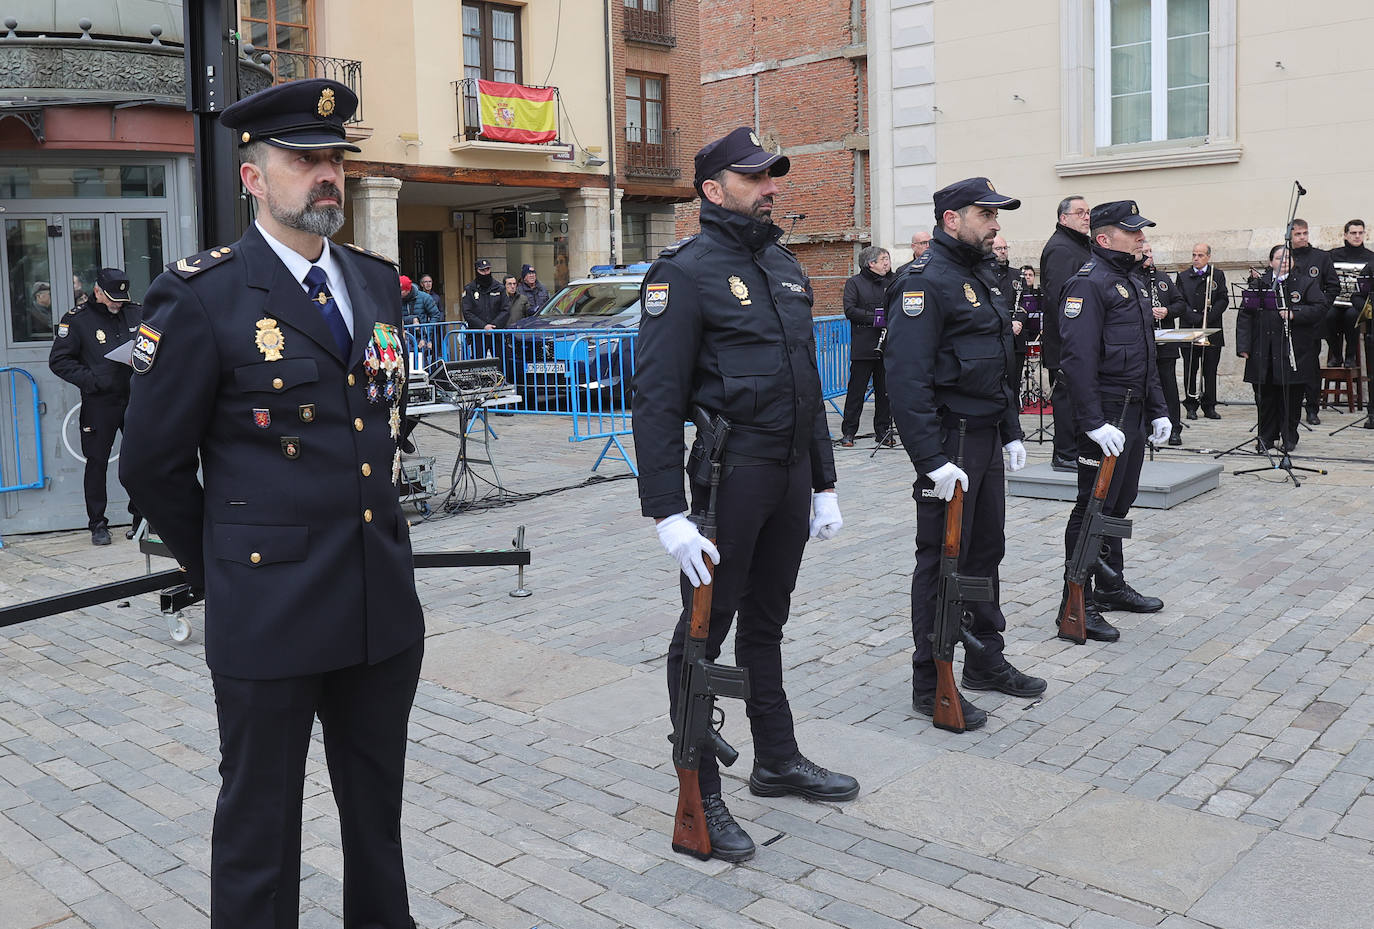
1279, 407
1125, 479
1168, 380
102, 415
982, 546
255, 849
1065, 431
1342, 329
1019, 372
1207, 359
861, 370
763, 514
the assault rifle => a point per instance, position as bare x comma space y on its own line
1095, 529
955, 590
697, 720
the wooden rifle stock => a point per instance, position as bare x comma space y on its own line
1073, 622
949, 709
689, 824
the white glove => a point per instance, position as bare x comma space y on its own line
826, 523
680, 539
1016, 455
1112, 439
1160, 430
945, 478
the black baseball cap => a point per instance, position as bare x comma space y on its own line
739, 151
305, 114
971, 191
115, 283
1123, 213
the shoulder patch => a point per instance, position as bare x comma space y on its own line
676, 247
62, 330
371, 254
1087, 266
656, 298
193, 265
145, 348
1072, 307
913, 302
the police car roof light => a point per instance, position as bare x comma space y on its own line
607, 270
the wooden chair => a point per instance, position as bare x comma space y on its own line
1343, 384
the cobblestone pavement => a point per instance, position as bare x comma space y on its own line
1212, 769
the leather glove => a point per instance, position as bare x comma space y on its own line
680, 539
1016, 455
1160, 430
945, 478
1112, 439
826, 522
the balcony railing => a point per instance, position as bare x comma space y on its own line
290, 66
651, 153
470, 114
650, 21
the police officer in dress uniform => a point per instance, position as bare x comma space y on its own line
1206, 308
1280, 358
1315, 263
950, 362
278, 362
1167, 306
84, 337
483, 298
727, 326
1108, 350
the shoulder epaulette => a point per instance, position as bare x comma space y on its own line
1087, 266
371, 254
187, 267
676, 247
919, 265
72, 312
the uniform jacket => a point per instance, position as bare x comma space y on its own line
1165, 293
1316, 263
1108, 343
727, 324
482, 301
1260, 332
84, 336
949, 349
1192, 284
296, 535
1060, 260
863, 293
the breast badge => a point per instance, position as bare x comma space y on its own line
740, 290
913, 302
270, 340
969, 295
656, 299
100, 336
291, 447
1312, 271
1072, 307
306, 411
262, 418
1295, 297
1121, 289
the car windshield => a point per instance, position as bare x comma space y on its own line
593, 298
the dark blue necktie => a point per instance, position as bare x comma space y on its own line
319, 294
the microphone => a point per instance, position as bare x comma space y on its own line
798, 217
1302, 191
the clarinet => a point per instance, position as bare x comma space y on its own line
1287, 332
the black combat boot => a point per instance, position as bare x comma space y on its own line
803, 777
728, 841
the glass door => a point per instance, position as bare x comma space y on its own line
31, 266
142, 251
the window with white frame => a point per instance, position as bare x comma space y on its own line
1152, 70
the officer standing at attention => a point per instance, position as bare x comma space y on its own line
727, 326
84, 337
1108, 351
483, 298
278, 365
949, 363
1062, 256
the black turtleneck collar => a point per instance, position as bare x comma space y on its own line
1074, 234
1122, 261
967, 255
737, 229
874, 275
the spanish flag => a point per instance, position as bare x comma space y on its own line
516, 113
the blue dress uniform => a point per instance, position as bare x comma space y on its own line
296, 535
1107, 330
85, 336
950, 358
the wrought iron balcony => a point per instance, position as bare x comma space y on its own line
290, 66
650, 21
651, 153
470, 113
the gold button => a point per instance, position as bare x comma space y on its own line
276, 383
358, 425
255, 558
351, 381
247, 136
367, 516
367, 469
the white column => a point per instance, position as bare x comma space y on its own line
589, 226
374, 215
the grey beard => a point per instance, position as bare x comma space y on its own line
323, 221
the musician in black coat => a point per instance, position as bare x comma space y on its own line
276, 365
1206, 308
1316, 264
1264, 341
1065, 252
1343, 322
1168, 306
864, 307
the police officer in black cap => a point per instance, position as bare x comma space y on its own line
727, 326
277, 364
1106, 325
950, 363
85, 336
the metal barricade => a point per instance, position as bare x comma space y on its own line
832, 356
13, 468
601, 388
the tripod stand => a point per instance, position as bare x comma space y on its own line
1033, 394
1368, 338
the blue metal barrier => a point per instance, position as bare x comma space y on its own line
601, 402
16, 465
832, 356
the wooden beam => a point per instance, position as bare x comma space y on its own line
493, 177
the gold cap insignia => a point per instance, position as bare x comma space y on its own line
991, 188
326, 105
740, 290
270, 340
754, 137
969, 295
246, 137
1133, 209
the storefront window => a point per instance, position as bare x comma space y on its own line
59, 182
545, 246
30, 279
